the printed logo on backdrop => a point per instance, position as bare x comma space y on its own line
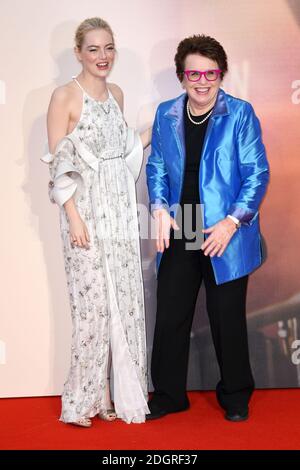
296, 354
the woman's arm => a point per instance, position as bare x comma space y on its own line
156, 171
253, 166
158, 188
57, 127
58, 117
254, 170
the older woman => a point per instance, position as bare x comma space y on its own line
208, 165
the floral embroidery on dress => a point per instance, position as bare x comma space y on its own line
105, 282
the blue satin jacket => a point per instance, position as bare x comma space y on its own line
233, 175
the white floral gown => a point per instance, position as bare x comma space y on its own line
104, 282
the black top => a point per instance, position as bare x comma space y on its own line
194, 138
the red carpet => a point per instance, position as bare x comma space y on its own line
31, 423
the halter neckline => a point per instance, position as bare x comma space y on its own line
89, 96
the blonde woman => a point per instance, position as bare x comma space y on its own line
94, 160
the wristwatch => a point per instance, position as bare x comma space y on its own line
235, 220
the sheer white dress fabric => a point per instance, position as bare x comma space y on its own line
97, 164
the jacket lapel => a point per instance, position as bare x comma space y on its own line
176, 113
176, 116
220, 109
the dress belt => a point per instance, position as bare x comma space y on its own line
101, 159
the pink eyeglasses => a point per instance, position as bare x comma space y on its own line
195, 75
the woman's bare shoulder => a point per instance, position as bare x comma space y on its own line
115, 88
64, 94
117, 93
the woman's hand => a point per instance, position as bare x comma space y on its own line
79, 234
220, 236
163, 224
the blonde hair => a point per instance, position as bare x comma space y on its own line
88, 25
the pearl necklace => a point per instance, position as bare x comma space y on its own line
190, 117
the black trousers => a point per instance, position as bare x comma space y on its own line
180, 276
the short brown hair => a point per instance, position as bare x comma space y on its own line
202, 45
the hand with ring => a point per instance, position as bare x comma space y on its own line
79, 235
219, 236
